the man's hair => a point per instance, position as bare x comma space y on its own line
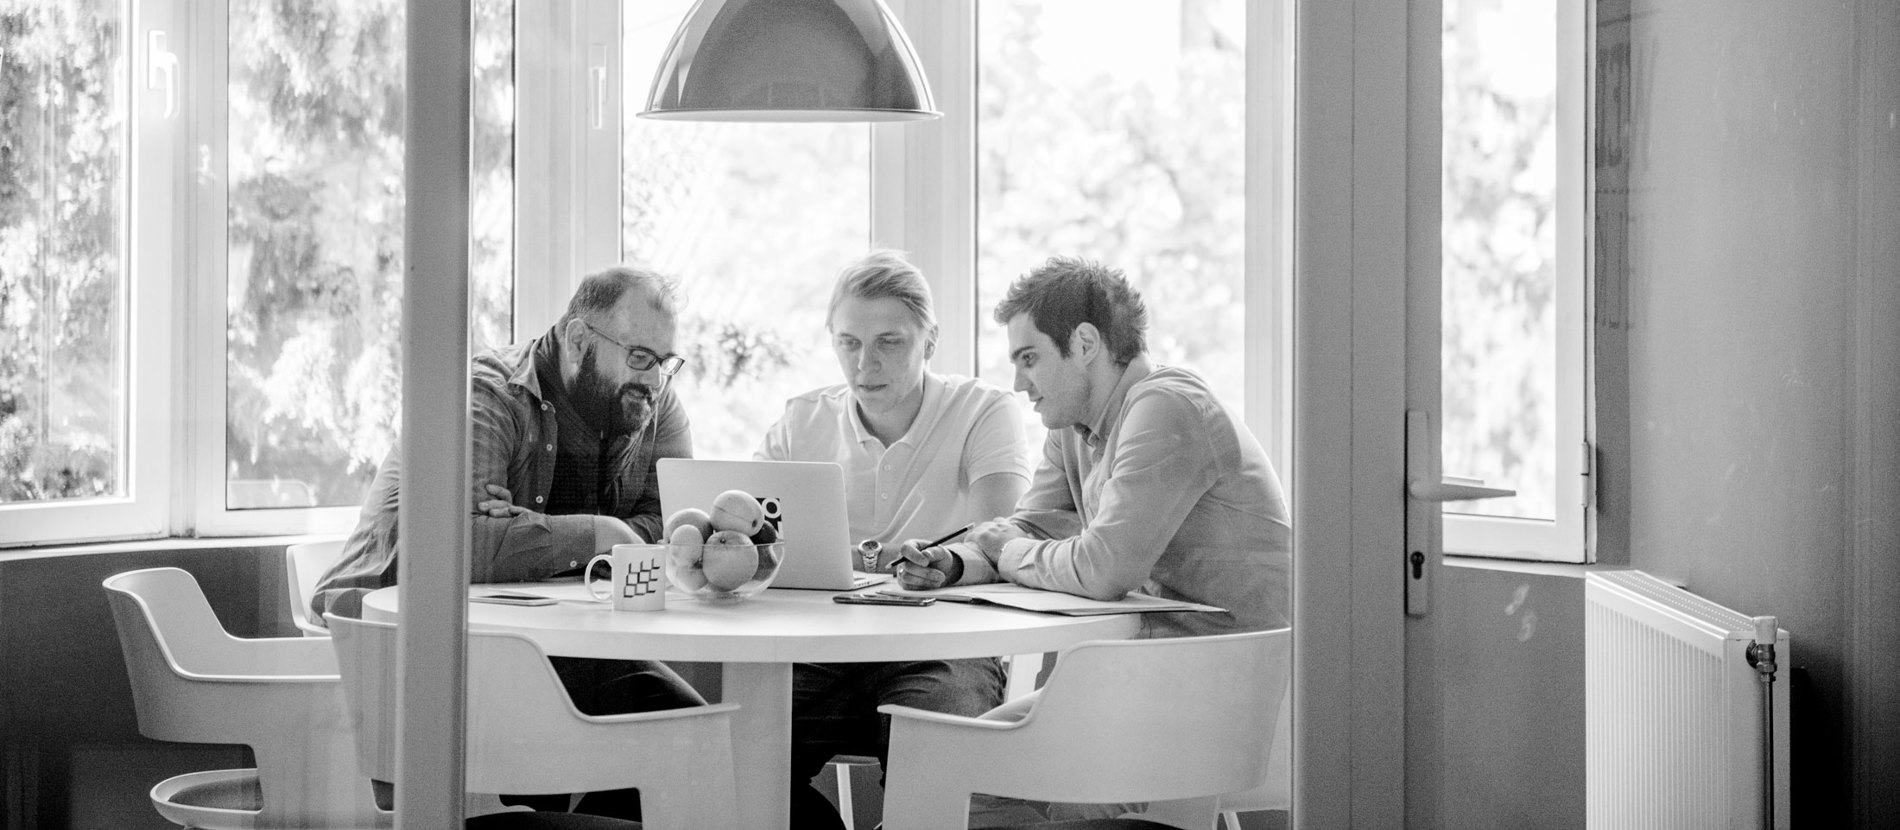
884, 274
1067, 291
599, 292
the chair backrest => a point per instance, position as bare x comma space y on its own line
304, 564
194, 682
526, 737
1199, 709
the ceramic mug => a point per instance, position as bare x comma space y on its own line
637, 581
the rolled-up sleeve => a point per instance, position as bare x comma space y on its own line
1163, 465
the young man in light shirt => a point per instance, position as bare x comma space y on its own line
1147, 482
923, 454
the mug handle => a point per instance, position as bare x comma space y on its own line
587, 577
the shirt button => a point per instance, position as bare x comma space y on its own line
573, 564
550, 448
537, 499
544, 407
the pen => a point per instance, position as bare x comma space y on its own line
947, 537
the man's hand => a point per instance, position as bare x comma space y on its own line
500, 503
922, 570
609, 531
989, 537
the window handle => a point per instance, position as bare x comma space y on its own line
1426, 488
161, 69
597, 85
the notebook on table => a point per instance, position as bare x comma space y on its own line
803, 499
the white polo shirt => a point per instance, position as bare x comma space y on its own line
919, 486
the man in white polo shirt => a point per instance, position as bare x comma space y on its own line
923, 454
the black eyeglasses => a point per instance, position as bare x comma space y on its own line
640, 358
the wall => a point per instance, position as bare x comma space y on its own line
74, 757
1511, 642
1747, 302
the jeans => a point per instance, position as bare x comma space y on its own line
834, 712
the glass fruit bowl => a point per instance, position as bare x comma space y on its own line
723, 573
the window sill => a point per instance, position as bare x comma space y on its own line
152, 545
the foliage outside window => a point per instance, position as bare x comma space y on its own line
1120, 138
315, 212
1499, 250
756, 220
63, 280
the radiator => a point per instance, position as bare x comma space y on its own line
1676, 732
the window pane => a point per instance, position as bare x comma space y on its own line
314, 308
756, 220
1115, 132
63, 150
1500, 230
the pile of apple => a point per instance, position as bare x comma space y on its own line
724, 548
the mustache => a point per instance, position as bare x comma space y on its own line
638, 391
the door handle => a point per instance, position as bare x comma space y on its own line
1425, 489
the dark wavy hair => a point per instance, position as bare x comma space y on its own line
1067, 291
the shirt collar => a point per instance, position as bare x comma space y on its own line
544, 356
1096, 430
933, 393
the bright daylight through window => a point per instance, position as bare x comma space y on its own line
1512, 252
63, 252
756, 220
1118, 137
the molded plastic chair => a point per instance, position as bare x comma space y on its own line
194, 682
1021, 671
304, 564
526, 737
1175, 721
1277, 792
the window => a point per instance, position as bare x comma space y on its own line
1119, 137
1512, 279
756, 220
310, 199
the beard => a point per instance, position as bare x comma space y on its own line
614, 410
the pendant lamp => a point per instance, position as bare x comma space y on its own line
790, 60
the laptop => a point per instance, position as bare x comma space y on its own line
803, 499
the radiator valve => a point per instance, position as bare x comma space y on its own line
1761, 653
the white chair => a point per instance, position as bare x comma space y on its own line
1020, 671
193, 682
304, 564
1277, 792
1177, 722
526, 737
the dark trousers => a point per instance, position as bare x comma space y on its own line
613, 687
834, 712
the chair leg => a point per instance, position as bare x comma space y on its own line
844, 795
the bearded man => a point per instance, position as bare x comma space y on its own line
565, 431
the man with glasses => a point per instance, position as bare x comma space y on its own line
565, 432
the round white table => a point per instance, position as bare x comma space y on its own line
758, 640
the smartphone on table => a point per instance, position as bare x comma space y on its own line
875, 598
511, 598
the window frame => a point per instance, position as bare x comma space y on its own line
149, 176
1566, 537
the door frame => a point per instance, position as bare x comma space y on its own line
1366, 303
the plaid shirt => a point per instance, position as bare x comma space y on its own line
515, 438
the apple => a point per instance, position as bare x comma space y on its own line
730, 560
687, 576
691, 516
686, 534
769, 556
767, 534
737, 510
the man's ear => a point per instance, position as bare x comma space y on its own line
1085, 342
571, 332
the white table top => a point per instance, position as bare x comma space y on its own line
778, 626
